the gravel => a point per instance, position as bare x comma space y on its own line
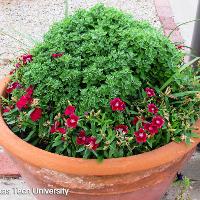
29, 20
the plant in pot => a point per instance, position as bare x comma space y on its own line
103, 107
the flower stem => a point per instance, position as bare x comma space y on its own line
195, 20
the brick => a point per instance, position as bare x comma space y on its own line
164, 11
7, 167
168, 23
161, 3
175, 36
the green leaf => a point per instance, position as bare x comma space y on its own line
177, 139
195, 135
57, 143
30, 135
86, 153
182, 94
180, 70
150, 142
187, 141
80, 149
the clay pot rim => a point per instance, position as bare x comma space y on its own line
78, 166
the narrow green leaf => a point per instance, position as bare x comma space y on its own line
180, 70
181, 94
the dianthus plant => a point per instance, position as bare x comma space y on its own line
102, 85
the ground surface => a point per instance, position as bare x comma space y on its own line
25, 19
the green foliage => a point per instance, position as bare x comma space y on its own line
106, 54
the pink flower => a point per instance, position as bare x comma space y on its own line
150, 92
91, 143
36, 114
72, 121
57, 55
158, 121
122, 128
151, 128
26, 58
152, 108
141, 136
117, 104
81, 139
12, 87
70, 110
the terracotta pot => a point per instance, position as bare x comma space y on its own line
146, 176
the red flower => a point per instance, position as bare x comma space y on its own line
12, 87
26, 58
136, 119
180, 47
158, 121
122, 128
91, 143
12, 71
29, 90
61, 130
151, 128
72, 121
23, 101
57, 55
18, 65
70, 110
63, 139
140, 135
54, 127
150, 92
117, 104
7, 109
36, 114
81, 139
152, 108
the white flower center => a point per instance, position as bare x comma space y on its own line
72, 121
141, 135
157, 121
117, 104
